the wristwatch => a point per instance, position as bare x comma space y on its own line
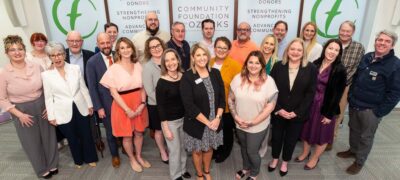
218, 117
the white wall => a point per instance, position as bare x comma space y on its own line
35, 23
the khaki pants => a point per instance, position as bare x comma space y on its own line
343, 103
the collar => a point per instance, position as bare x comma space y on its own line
29, 69
380, 59
76, 55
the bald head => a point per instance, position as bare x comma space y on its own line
74, 41
104, 43
152, 23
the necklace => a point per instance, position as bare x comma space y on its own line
174, 78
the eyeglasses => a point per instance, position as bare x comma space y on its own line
74, 41
223, 49
152, 48
59, 55
243, 30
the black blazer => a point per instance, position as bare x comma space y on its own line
195, 100
298, 99
86, 55
334, 89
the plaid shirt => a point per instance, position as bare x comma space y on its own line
351, 57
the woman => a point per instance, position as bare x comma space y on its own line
269, 49
128, 110
252, 99
202, 92
21, 94
295, 78
154, 47
68, 105
38, 54
171, 112
331, 81
112, 30
228, 68
309, 36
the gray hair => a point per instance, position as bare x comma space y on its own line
391, 34
350, 23
52, 47
176, 23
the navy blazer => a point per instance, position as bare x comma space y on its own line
101, 96
86, 56
195, 100
300, 97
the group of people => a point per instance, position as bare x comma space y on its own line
194, 98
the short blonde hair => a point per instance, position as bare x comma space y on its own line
193, 50
12, 39
304, 60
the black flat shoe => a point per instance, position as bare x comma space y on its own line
283, 173
186, 175
165, 162
47, 176
249, 178
54, 172
270, 169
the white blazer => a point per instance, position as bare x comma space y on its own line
60, 93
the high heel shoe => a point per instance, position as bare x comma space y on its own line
297, 159
310, 168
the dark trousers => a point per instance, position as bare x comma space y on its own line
111, 139
79, 137
284, 138
363, 125
224, 150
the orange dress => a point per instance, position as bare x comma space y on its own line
118, 78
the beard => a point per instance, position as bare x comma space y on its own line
152, 31
106, 51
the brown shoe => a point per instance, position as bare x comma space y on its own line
328, 147
354, 169
115, 161
346, 154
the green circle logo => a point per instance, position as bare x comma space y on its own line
73, 16
331, 15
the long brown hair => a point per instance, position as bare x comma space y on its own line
262, 75
117, 56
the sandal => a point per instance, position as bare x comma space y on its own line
202, 177
240, 174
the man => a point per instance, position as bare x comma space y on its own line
352, 54
179, 43
75, 53
375, 91
100, 95
152, 29
208, 30
280, 30
243, 45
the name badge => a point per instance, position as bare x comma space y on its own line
373, 73
198, 81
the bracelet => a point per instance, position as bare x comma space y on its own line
143, 102
218, 117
